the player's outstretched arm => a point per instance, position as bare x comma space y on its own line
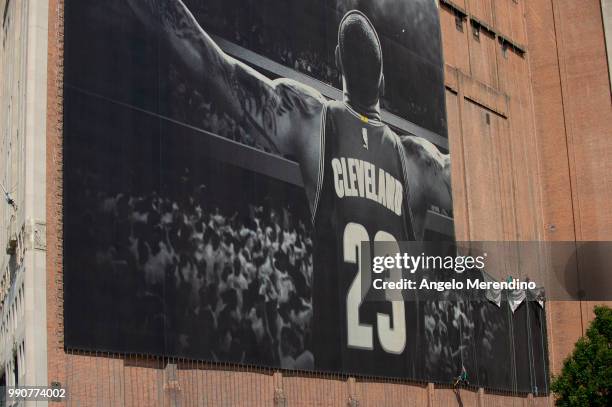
429, 179
268, 108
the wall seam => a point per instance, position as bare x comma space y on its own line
570, 158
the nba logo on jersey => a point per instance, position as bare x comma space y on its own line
364, 134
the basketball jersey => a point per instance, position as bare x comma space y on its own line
361, 197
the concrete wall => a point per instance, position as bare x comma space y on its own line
13, 40
22, 131
35, 196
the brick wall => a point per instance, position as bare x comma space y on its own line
573, 115
528, 113
56, 358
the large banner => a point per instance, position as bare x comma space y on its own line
224, 160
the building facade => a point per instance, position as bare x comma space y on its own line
529, 109
23, 125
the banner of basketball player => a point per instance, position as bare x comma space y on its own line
223, 161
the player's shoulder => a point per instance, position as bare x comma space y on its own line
390, 136
423, 151
296, 95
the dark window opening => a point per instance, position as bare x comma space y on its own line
476, 32
459, 22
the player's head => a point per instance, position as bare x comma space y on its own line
359, 57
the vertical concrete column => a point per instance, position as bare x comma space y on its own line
481, 397
35, 203
431, 395
280, 399
172, 386
353, 399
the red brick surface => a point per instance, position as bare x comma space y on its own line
573, 112
539, 169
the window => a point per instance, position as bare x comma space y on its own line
459, 22
504, 46
476, 31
